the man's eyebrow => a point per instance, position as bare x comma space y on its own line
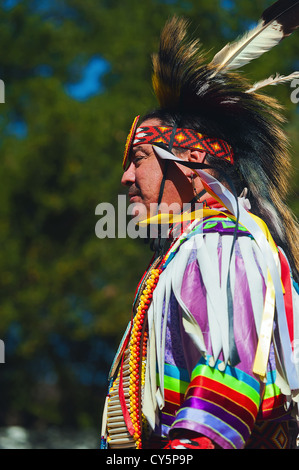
139, 148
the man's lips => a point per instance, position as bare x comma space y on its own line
133, 196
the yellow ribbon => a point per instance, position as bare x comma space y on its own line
265, 335
166, 218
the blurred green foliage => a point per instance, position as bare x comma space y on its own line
65, 294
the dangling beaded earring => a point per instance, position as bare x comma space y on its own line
196, 194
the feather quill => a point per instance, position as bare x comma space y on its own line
277, 22
273, 80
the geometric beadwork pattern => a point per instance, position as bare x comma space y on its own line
185, 138
267, 435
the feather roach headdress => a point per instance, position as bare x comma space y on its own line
211, 99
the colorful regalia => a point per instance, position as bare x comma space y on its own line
210, 356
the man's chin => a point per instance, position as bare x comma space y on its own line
138, 211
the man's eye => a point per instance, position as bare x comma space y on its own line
138, 159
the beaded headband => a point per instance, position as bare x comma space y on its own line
183, 138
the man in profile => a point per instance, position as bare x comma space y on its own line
208, 359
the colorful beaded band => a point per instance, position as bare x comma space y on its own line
184, 138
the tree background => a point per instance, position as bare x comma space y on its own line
76, 72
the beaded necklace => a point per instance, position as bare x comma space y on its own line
137, 348
133, 365
125, 420
138, 342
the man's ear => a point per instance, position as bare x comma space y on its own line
197, 156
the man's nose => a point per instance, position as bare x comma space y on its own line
128, 176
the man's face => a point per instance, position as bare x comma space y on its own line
144, 176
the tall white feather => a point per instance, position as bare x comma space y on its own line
273, 80
250, 46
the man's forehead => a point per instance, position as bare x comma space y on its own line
138, 147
